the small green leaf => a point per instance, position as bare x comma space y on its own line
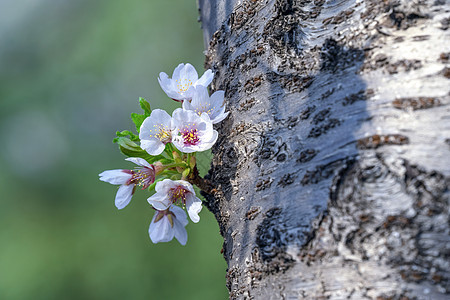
145, 106
156, 158
166, 161
126, 133
138, 120
185, 173
131, 149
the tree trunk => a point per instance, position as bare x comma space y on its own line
332, 171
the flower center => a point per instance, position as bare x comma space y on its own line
161, 213
178, 194
143, 177
183, 84
162, 133
204, 107
190, 136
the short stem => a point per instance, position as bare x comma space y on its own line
175, 165
203, 184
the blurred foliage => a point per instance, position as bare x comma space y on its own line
71, 73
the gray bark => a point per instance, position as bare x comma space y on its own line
332, 171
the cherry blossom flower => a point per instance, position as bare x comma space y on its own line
129, 179
202, 103
169, 223
184, 77
191, 132
155, 132
170, 192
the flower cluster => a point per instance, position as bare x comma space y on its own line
165, 152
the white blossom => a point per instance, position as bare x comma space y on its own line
167, 224
170, 192
129, 179
191, 132
184, 77
201, 102
155, 132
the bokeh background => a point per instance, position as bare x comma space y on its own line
71, 73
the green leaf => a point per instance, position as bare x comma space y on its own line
145, 106
125, 133
156, 158
138, 120
131, 149
166, 161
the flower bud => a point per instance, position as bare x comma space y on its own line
192, 162
185, 173
158, 168
176, 156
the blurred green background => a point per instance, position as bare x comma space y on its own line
71, 73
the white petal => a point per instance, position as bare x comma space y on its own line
165, 185
139, 161
217, 98
157, 117
221, 115
158, 120
189, 93
187, 105
159, 201
200, 98
189, 73
115, 176
153, 146
180, 232
177, 72
161, 231
206, 78
179, 214
193, 206
123, 196
168, 86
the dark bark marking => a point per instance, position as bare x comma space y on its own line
263, 184
253, 212
307, 112
251, 85
405, 65
415, 243
321, 116
292, 82
419, 38
272, 147
242, 15
340, 18
444, 57
375, 141
416, 103
350, 99
247, 104
445, 72
336, 58
324, 128
287, 179
322, 172
400, 19
272, 241
307, 155
445, 23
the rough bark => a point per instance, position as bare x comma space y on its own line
332, 171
